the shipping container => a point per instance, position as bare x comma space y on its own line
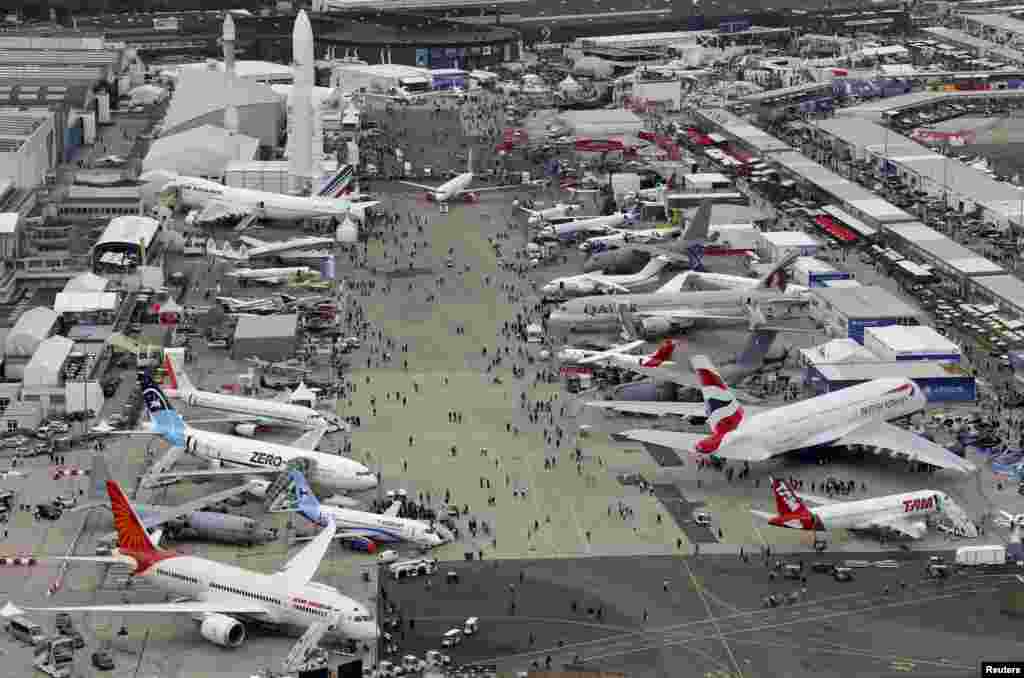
981, 555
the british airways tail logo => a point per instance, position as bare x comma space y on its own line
154, 399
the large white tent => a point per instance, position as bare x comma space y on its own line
44, 368
86, 282
31, 329
203, 151
85, 302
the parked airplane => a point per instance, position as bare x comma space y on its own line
598, 283
261, 249
251, 412
265, 305
905, 513
217, 202
363, 528
458, 186
857, 415
187, 520
329, 472
706, 281
559, 211
604, 225
669, 310
644, 236
269, 276
619, 356
224, 597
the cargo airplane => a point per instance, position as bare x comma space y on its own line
857, 415
599, 283
362, 528
906, 513
252, 413
223, 597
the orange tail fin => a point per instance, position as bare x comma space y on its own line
131, 535
663, 354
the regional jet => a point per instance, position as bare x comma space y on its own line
458, 186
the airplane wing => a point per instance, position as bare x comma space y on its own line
301, 567
650, 408
253, 242
155, 516
915, 529
346, 534
685, 314
215, 211
419, 186
213, 473
310, 439
601, 355
687, 442
609, 286
393, 509
484, 189
903, 442
192, 607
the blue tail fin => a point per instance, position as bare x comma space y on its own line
338, 183
297, 496
166, 421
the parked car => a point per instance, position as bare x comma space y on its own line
103, 660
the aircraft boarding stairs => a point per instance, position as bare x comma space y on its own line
956, 519
247, 222
305, 655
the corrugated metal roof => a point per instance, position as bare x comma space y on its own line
199, 93
866, 302
204, 151
129, 229
912, 369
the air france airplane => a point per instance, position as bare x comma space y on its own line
223, 597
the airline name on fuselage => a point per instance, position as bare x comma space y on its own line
911, 505
266, 459
203, 189
875, 408
310, 603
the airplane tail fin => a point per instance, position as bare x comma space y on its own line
98, 477
291, 492
787, 503
663, 354
166, 421
697, 229
776, 278
131, 535
627, 326
653, 267
174, 365
724, 412
757, 348
338, 183
677, 284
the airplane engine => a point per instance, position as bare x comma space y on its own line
342, 501
362, 544
247, 430
429, 196
617, 262
222, 630
215, 463
653, 328
472, 197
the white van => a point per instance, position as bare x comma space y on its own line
471, 626
451, 638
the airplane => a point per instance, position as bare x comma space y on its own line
364, 529
262, 305
644, 236
669, 310
905, 513
223, 597
594, 283
603, 225
559, 211
329, 472
187, 520
457, 186
217, 202
856, 415
269, 276
252, 412
260, 249
619, 356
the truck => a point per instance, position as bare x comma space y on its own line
811, 272
994, 554
413, 568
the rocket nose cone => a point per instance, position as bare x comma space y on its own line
229, 27
303, 29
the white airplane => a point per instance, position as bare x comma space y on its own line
604, 225
905, 513
706, 281
217, 202
857, 415
598, 283
559, 211
361, 527
329, 472
269, 276
583, 356
223, 597
457, 186
233, 305
254, 411
259, 249
646, 236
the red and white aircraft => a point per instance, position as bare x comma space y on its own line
618, 356
857, 415
905, 513
458, 187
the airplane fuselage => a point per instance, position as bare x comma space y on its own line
453, 187
197, 193
330, 473
383, 528
296, 415
909, 506
285, 605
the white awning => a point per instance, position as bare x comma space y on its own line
84, 302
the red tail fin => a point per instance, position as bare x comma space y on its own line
786, 501
169, 370
663, 354
131, 535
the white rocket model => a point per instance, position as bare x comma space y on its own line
228, 38
300, 161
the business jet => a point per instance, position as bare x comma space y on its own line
559, 211
329, 472
645, 236
223, 597
619, 356
597, 283
458, 187
360, 527
269, 276
906, 513
216, 202
671, 310
252, 413
603, 225
857, 415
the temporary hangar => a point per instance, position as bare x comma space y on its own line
602, 122
203, 151
29, 331
147, 95
44, 369
85, 302
86, 282
201, 97
273, 337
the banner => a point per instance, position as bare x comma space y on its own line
422, 58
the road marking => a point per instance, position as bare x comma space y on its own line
714, 621
904, 665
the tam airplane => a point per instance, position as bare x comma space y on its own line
329, 472
217, 202
857, 415
255, 411
618, 356
591, 283
362, 527
457, 186
223, 597
906, 513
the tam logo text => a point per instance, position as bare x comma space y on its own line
912, 505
